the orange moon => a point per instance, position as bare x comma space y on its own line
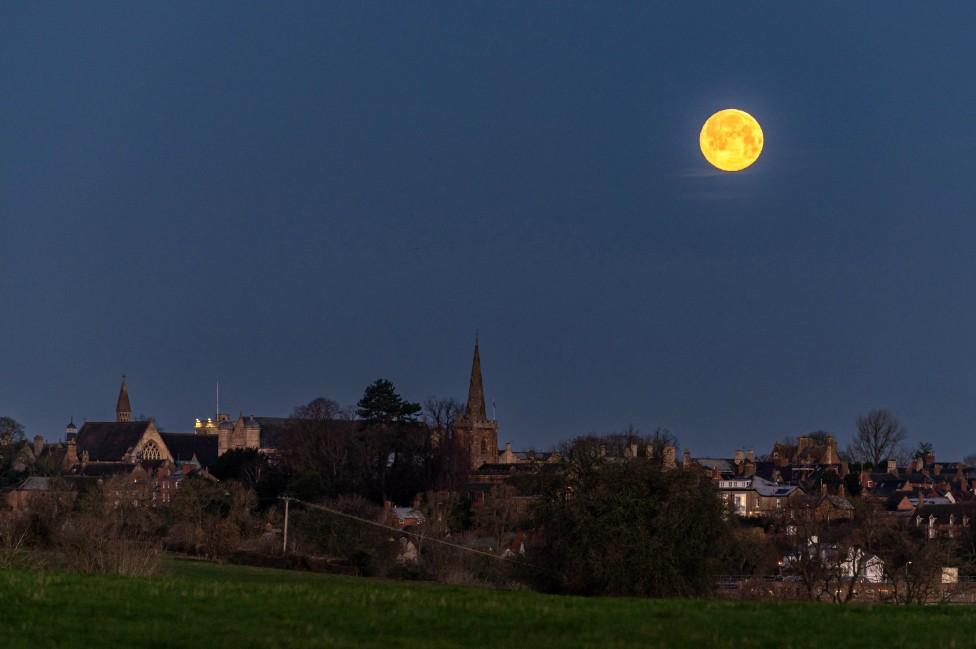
731, 139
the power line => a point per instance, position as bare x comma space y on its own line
397, 530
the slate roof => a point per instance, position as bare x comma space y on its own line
271, 428
108, 441
185, 446
839, 502
943, 511
724, 466
37, 483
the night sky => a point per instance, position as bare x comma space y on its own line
300, 199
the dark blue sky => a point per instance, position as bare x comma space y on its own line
301, 199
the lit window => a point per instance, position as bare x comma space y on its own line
151, 452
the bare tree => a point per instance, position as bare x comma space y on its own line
879, 436
445, 460
320, 409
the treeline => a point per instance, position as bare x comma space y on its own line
123, 524
386, 448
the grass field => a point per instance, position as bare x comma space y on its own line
204, 605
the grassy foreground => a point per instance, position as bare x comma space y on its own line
204, 605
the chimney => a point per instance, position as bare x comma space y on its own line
740, 457
670, 453
686, 459
930, 458
831, 455
802, 444
892, 466
38, 445
917, 464
508, 448
750, 455
748, 470
633, 449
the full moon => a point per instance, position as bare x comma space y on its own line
731, 139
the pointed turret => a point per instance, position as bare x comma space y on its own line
123, 410
476, 391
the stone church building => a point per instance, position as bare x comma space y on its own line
115, 446
479, 434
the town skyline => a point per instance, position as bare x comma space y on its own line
192, 425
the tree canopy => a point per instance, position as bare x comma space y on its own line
11, 431
381, 404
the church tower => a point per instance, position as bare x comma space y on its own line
478, 433
123, 410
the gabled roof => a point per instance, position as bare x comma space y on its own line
109, 441
184, 447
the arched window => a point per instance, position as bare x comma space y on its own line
484, 446
150, 451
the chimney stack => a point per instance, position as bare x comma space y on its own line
670, 456
740, 457
38, 445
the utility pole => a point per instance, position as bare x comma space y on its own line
284, 545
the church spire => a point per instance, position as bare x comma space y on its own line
123, 410
476, 391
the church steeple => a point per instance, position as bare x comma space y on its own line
123, 410
476, 391
477, 434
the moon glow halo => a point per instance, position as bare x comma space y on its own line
731, 139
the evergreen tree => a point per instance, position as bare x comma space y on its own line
391, 442
381, 405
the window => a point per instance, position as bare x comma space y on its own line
150, 451
484, 446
